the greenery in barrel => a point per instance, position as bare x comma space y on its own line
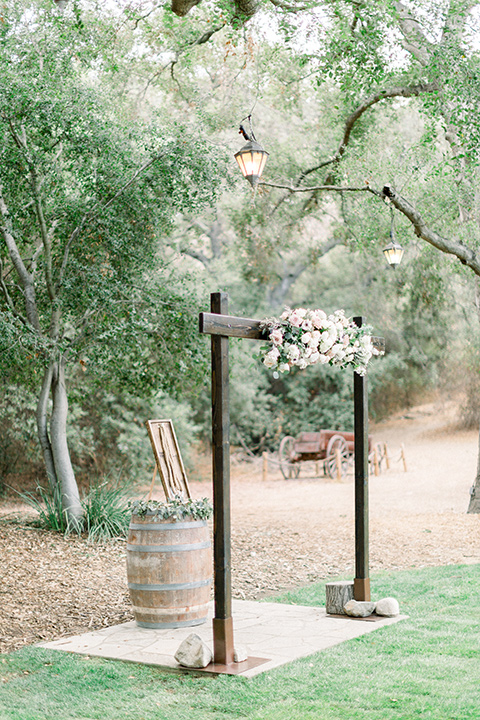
176, 509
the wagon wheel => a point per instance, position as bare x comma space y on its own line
337, 449
285, 453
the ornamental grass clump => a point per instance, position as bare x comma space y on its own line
178, 508
105, 511
106, 514
304, 337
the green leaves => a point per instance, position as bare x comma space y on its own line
176, 509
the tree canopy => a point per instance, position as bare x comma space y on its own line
368, 110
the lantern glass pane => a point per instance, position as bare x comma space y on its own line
263, 160
240, 160
393, 253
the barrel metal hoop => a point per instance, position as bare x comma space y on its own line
170, 586
166, 625
168, 526
168, 548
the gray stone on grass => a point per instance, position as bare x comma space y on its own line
193, 652
359, 608
388, 607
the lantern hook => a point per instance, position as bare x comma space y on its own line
242, 131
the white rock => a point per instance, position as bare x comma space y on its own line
193, 652
388, 607
240, 653
359, 608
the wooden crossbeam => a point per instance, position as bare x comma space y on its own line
231, 326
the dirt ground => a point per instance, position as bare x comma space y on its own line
284, 533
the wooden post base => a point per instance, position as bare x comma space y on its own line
361, 589
223, 641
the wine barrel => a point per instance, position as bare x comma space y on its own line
169, 571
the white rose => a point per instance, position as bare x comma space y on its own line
295, 319
332, 331
284, 367
293, 353
318, 319
315, 357
337, 351
325, 345
276, 336
270, 359
315, 338
306, 337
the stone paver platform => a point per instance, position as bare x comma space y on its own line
273, 635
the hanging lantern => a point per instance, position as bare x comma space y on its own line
251, 158
393, 252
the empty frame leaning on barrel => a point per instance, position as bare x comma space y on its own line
168, 458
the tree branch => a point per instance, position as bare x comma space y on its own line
20, 140
25, 277
314, 188
397, 91
201, 40
415, 41
96, 211
451, 247
8, 298
292, 8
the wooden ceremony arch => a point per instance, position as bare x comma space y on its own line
221, 326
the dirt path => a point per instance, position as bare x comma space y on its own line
284, 534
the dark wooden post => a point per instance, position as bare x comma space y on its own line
361, 583
223, 621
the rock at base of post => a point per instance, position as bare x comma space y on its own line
338, 594
193, 653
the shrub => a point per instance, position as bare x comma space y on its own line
106, 511
106, 514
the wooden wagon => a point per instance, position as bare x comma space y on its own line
332, 447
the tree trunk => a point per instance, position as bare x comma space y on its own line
474, 504
61, 456
42, 427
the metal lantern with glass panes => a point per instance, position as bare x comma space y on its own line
393, 252
251, 158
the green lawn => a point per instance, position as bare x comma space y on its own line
425, 667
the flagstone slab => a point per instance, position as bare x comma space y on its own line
274, 634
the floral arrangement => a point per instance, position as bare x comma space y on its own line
304, 337
176, 509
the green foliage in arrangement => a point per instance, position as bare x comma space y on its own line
422, 667
176, 509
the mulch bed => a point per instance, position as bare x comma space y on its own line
52, 586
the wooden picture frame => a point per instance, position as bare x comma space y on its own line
168, 458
